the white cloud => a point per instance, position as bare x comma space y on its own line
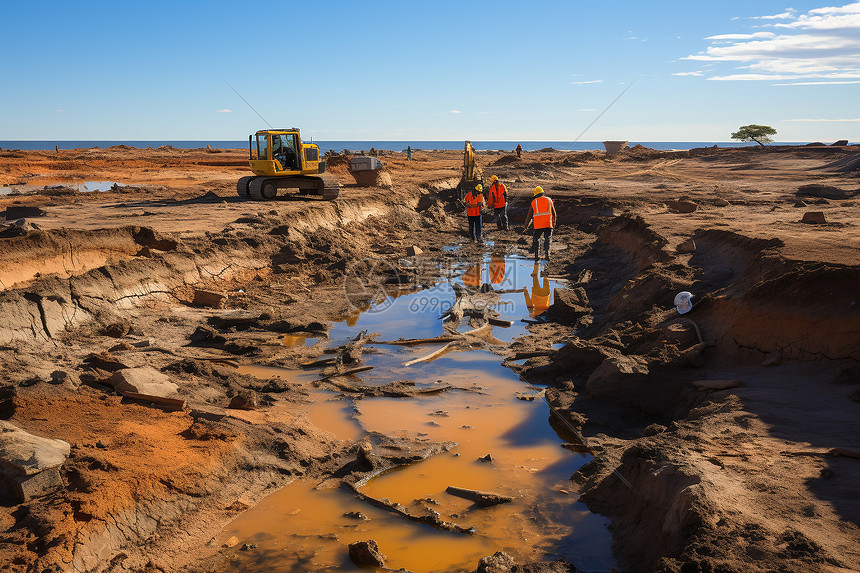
697, 73
824, 120
823, 43
742, 36
456, 111
787, 14
586, 82
819, 84
587, 109
225, 111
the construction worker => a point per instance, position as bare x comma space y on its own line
499, 202
541, 295
474, 204
542, 215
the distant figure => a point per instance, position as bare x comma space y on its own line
519, 150
408, 153
499, 203
542, 215
474, 203
539, 300
373, 152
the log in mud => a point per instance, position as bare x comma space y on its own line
720, 442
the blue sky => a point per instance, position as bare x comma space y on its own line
429, 70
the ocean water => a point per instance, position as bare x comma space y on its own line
355, 146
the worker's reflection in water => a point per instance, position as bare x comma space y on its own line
472, 277
541, 294
497, 270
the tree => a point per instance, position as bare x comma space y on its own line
753, 132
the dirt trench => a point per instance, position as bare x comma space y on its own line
711, 455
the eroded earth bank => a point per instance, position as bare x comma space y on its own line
185, 374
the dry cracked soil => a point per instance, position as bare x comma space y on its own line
723, 440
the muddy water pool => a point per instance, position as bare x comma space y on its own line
490, 412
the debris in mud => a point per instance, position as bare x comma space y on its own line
366, 554
209, 298
681, 206
814, 218
244, 400
481, 498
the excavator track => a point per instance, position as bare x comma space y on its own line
266, 188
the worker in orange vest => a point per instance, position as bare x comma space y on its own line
542, 215
499, 202
474, 203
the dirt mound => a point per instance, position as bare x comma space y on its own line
850, 164
799, 310
506, 160
825, 191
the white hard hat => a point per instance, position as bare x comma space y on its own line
683, 303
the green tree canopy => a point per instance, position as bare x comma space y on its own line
753, 132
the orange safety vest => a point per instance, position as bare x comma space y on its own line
542, 212
497, 195
474, 203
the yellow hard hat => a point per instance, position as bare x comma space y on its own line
538, 190
479, 187
493, 178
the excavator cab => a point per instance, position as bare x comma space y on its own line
280, 160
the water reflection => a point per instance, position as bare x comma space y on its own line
300, 529
541, 295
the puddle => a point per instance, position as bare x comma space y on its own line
300, 529
83, 187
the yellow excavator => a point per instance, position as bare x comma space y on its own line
471, 173
280, 160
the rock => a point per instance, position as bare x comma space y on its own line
413, 251
616, 376
116, 329
209, 298
578, 356
357, 515
800, 203
498, 562
840, 143
365, 455
814, 218
21, 212
569, 304
232, 542
29, 465
687, 246
366, 554
653, 430
244, 400
143, 380
693, 355
681, 206
486, 459
248, 546
68, 378
721, 203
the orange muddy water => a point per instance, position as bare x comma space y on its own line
300, 528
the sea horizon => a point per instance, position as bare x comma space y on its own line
366, 145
